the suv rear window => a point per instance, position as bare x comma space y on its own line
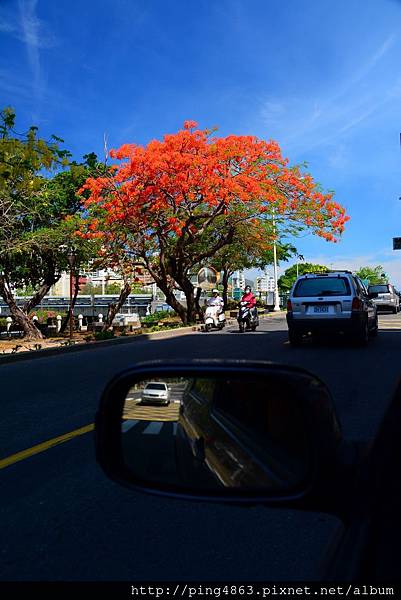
322, 286
379, 289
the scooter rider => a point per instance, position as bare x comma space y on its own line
250, 300
216, 299
214, 314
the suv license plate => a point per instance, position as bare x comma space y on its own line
321, 309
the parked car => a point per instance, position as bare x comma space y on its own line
330, 303
230, 445
156, 392
385, 297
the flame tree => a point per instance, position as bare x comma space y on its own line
176, 203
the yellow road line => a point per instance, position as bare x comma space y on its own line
10, 460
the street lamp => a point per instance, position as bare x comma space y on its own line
71, 257
299, 257
276, 296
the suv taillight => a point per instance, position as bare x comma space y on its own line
289, 306
357, 304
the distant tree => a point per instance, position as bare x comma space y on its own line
373, 275
252, 248
38, 209
287, 280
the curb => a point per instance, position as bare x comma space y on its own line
28, 355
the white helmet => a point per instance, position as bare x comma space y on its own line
214, 291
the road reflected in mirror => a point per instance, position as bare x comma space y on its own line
205, 434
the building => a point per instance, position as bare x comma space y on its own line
265, 284
238, 280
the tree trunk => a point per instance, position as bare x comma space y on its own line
188, 290
198, 307
175, 304
172, 300
114, 307
226, 277
162, 282
31, 332
73, 302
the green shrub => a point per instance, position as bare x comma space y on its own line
158, 316
45, 315
104, 335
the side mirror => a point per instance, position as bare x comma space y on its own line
227, 431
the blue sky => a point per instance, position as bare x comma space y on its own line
322, 78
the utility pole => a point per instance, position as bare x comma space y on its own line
276, 296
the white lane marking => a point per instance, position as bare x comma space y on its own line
128, 424
153, 428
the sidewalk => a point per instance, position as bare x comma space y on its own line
18, 349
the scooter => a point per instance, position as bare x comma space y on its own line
247, 319
214, 318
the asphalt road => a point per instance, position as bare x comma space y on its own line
62, 519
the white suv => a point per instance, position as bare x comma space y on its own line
385, 297
332, 302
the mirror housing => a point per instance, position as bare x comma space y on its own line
324, 464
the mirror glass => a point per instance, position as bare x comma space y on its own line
210, 433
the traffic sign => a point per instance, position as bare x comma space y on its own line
397, 243
237, 293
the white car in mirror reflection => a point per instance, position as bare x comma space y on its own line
156, 392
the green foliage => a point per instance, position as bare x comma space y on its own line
32, 204
158, 316
43, 315
287, 280
164, 327
104, 335
374, 275
40, 211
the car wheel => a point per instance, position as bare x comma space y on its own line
294, 337
362, 337
375, 329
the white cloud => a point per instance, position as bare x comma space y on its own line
24, 25
303, 124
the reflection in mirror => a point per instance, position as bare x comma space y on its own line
205, 434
